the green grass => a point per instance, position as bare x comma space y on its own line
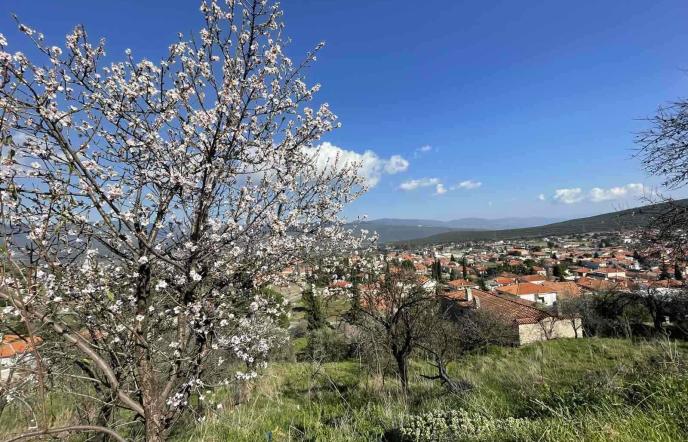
564, 390
586, 389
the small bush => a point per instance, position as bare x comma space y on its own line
326, 345
453, 425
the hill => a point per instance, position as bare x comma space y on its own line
394, 229
623, 219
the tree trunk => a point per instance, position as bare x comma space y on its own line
151, 400
3, 403
657, 320
402, 368
104, 416
155, 431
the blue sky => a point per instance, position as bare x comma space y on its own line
529, 100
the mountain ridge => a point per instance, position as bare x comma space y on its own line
400, 229
624, 219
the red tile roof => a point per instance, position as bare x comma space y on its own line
563, 289
527, 288
666, 283
510, 309
12, 345
531, 278
457, 295
460, 283
600, 284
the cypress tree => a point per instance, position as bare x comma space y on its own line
315, 311
678, 274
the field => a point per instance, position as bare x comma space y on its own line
586, 389
566, 390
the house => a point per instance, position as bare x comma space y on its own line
530, 292
427, 283
531, 323
564, 290
503, 280
16, 352
461, 298
540, 270
609, 273
580, 271
421, 269
600, 285
535, 279
457, 284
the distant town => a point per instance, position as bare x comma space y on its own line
529, 284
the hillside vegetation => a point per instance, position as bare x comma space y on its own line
392, 229
593, 389
614, 221
585, 389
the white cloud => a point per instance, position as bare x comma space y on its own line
469, 184
370, 166
568, 196
541, 197
598, 194
422, 182
396, 164
440, 189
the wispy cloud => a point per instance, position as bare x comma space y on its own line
598, 194
409, 185
468, 185
422, 150
440, 188
421, 182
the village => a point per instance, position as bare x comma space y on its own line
531, 285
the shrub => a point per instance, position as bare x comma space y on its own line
446, 425
326, 345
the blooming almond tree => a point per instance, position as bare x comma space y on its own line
144, 204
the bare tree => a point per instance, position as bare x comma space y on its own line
145, 204
393, 311
570, 309
451, 336
663, 150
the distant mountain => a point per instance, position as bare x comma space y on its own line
393, 232
624, 219
470, 223
501, 223
393, 229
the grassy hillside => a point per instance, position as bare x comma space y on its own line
586, 389
623, 219
565, 390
